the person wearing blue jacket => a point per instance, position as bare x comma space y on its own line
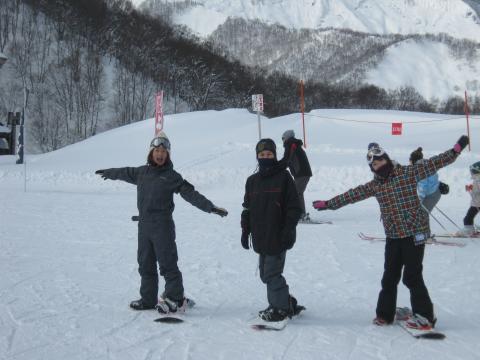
427, 189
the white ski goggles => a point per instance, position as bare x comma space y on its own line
160, 141
373, 153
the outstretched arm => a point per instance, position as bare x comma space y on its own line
128, 174
432, 165
354, 195
188, 192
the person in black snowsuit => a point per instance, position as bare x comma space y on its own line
296, 160
271, 210
156, 183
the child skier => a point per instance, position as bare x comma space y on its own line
406, 227
474, 190
156, 183
271, 210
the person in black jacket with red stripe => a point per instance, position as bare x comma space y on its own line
271, 210
296, 160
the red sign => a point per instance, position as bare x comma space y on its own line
158, 113
396, 128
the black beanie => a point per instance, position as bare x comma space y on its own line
266, 144
416, 155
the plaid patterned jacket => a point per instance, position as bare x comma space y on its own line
401, 213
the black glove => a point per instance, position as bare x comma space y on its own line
219, 211
443, 188
288, 237
101, 173
461, 143
244, 240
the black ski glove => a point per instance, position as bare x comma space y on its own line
244, 240
443, 188
219, 211
288, 237
461, 144
101, 173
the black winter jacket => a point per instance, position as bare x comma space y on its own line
296, 159
155, 188
271, 210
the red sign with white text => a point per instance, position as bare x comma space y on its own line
396, 128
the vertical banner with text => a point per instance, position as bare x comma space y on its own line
257, 105
158, 112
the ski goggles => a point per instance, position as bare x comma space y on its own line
373, 153
160, 141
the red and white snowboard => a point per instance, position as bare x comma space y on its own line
402, 317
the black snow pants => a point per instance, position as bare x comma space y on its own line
403, 253
156, 243
271, 269
471, 213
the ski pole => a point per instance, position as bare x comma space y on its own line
441, 212
434, 218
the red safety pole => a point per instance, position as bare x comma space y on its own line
302, 109
465, 108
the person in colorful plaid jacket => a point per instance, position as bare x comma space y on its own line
406, 226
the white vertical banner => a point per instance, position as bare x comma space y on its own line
257, 105
158, 112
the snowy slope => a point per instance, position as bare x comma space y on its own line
68, 248
453, 17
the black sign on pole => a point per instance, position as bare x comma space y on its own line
21, 139
13, 120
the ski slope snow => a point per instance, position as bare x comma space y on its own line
68, 247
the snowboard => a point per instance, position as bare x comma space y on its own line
430, 241
402, 316
260, 324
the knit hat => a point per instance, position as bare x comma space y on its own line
416, 155
475, 168
373, 145
287, 135
160, 140
266, 144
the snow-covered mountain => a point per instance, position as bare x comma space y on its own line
454, 17
294, 34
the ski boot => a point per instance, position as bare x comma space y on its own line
379, 321
295, 309
272, 314
417, 321
140, 305
168, 306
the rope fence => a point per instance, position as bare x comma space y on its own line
432, 120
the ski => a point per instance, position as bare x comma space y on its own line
402, 317
260, 324
313, 221
459, 236
430, 241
